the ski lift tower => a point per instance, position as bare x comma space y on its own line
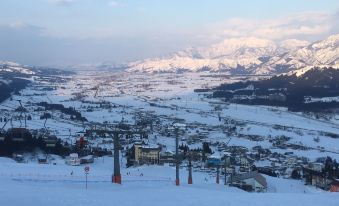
177, 127
115, 133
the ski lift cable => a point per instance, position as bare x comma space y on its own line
35, 120
36, 114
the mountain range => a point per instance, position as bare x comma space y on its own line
232, 56
247, 56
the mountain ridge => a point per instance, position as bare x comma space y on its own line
247, 55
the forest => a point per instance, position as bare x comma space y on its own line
290, 91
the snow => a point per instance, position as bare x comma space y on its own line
14, 67
34, 184
174, 98
246, 52
228, 54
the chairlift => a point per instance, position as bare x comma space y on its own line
2, 135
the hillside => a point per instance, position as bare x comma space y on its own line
304, 89
15, 77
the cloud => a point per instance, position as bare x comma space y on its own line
23, 26
28, 44
61, 2
31, 44
114, 4
308, 25
335, 23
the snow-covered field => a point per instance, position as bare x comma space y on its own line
167, 97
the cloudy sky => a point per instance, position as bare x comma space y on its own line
68, 32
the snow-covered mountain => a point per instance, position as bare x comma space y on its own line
227, 55
247, 55
321, 54
12, 67
19, 70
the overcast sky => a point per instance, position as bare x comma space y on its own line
68, 32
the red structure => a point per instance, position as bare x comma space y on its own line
81, 142
190, 181
335, 186
116, 179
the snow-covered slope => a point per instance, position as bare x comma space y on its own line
247, 55
48, 184
13, 67
302, 71
227, 55
322, 53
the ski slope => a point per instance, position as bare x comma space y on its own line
32, 184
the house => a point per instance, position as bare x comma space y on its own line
267, 170
87, 159
42, 159
18, 134
18, 157
167, 157
73, 159
51, 141
146, 154
250, 181
213, 161
316, 178
316, 166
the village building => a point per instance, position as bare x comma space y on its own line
42, 159
73, 159
18, 157
316, 178
244, 161
213, 161
87, 159
146, 154
167, 157
251, 181
51, 141
18, 134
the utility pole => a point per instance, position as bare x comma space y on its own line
177, 180
190, 179
116, 178
218, 173
225, 165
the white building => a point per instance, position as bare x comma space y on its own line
73, 159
